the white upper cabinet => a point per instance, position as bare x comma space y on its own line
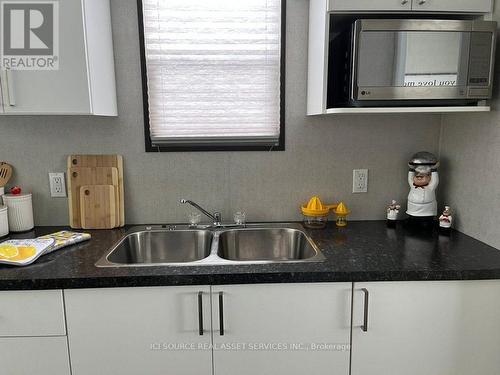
278, 325
84, 83
452, 6
465, 6
368, 5
431, 328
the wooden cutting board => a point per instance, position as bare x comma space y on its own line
115, 161
80, 176
97, 206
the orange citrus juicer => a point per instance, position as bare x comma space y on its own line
316, 208
341, 211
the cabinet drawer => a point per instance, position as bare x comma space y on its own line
32, 313
368, 5
34, 355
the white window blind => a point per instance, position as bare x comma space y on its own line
213, 70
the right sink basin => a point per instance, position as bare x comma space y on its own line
267, 245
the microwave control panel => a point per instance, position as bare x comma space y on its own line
480, 59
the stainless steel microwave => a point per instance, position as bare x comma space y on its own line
378, 62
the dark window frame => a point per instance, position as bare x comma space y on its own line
231, 147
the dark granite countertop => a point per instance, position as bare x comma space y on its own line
363, 251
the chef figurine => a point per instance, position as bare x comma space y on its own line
423, 179
392, 213
445, 220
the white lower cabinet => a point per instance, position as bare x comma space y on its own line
431, 328
282, 329
32, 333
279, 329
131, 331
34, 356
410, 328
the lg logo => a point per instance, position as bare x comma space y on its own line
29, 34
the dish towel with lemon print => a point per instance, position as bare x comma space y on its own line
24, 252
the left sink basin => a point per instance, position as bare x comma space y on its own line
156, 247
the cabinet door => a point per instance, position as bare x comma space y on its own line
282, 329
63, 91
130, 331
34, 355
467, 6
369, 5
432, 328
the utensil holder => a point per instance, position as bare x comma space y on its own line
20, 212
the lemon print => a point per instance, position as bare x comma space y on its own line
25, 252
8, 251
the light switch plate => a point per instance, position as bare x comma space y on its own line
57, 185
360, 181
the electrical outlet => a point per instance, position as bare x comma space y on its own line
360, 181
57, 185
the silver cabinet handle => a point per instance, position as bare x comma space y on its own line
221, 313
364, 327
200, 313
11, 94
404, 2
422, 2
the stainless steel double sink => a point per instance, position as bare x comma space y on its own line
184, 246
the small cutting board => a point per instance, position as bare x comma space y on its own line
81, 176
98, 207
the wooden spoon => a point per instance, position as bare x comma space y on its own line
5, 173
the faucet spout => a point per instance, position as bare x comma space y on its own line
216, 216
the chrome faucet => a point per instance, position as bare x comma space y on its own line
216, 216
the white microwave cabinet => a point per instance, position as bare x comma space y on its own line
445, 6
323, 15
84, 84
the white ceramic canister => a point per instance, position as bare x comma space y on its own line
20, 212
4, 221
2, 192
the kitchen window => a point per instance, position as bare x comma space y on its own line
213, 74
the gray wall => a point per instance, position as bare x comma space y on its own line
321, 152
470, 149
